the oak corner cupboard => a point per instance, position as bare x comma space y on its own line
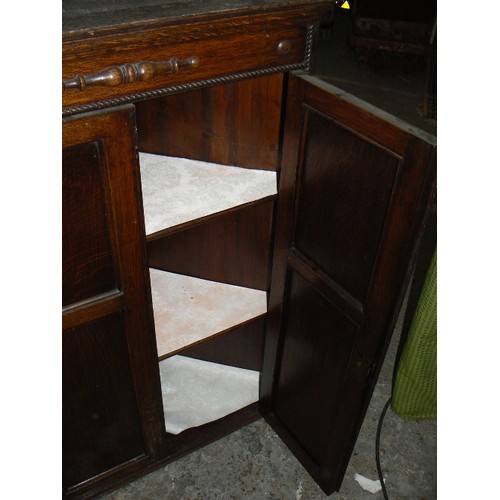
226, 216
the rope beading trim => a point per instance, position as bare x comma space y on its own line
150, 94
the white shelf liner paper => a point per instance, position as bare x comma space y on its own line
188, 310
197, 392
178, 190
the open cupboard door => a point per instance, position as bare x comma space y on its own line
355, 188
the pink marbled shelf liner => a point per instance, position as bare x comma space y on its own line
188, 310
178, 190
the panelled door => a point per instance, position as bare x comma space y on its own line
112, 410
354, 190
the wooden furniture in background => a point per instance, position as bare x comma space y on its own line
407, 27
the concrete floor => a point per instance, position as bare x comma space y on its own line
253, 463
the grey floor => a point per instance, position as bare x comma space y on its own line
253, 463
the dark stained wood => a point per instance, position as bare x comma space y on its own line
88, 267
361, 42
233, 247
340, 202
392, 21
95, 307
355, 188
393, 26
315, 355
128, 73
249, 40
113, 417
98, 433
219, 57
224, 46
233, 124
242, 347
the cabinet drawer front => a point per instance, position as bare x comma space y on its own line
118, 67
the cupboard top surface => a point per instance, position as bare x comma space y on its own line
81, 15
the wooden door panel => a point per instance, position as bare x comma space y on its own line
112, 407
88, 266
339, 201
355, 187
308, 384
101, 423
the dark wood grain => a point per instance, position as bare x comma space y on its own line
354, 193
246, 41
392, 26
124, 74
223, 47
315, 355
355, 190
233, 247
98, 433
110, 372
88, 267
242, 347
232, 124
345, 191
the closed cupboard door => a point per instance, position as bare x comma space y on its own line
354, 190
112, 413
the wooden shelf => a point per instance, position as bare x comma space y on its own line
189, 310
178, 190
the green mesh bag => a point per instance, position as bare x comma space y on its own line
414, 395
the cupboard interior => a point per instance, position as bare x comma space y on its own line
209, 164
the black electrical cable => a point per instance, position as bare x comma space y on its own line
377, 448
